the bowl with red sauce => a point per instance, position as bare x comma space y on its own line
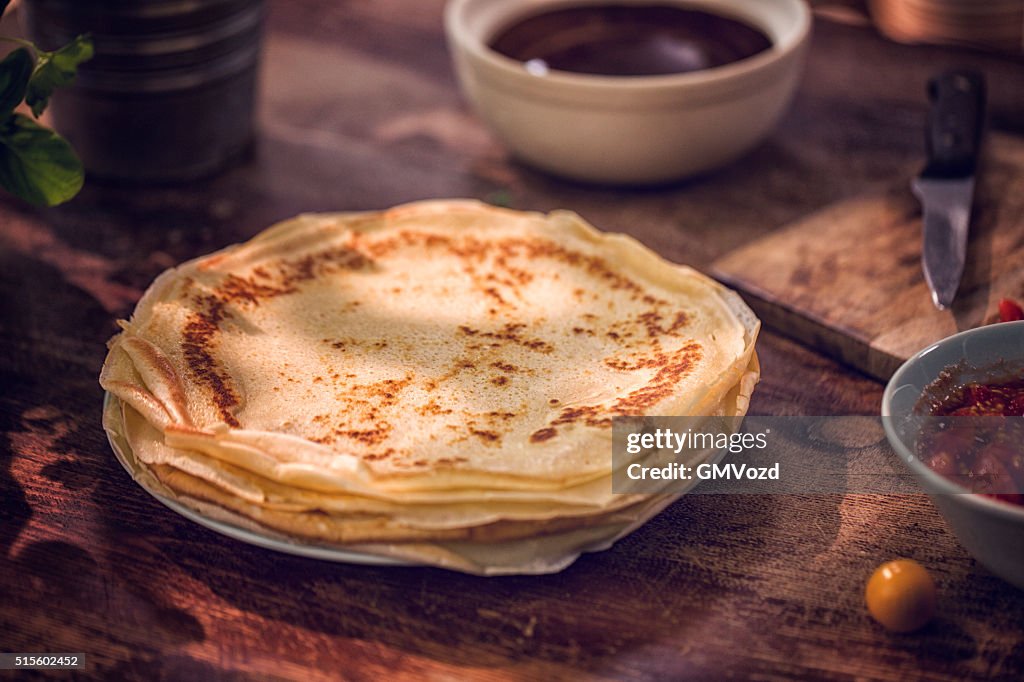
954, 414
628, 91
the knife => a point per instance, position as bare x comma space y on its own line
946, 185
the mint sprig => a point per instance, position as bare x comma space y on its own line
54, 69
37, 164
15, 73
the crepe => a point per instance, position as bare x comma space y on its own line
441, 371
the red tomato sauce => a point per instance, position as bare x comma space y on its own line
1003, 399
983, 450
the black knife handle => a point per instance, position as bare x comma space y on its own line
954, 123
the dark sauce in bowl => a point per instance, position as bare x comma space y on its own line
629, 40
975, 433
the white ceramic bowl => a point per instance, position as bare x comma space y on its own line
992, 531
628, 129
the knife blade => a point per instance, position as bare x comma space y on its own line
945, 186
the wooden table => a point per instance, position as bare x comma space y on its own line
360, 110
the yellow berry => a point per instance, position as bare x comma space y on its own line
901, 595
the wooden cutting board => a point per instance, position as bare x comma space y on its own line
847, 280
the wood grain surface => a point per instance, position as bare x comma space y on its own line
847, 279
360, 110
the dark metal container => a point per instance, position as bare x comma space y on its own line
170, 92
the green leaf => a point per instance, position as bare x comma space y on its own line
54, 70
37, 164
15, 71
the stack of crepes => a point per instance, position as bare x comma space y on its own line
433, 383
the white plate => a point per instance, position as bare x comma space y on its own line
123, 452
